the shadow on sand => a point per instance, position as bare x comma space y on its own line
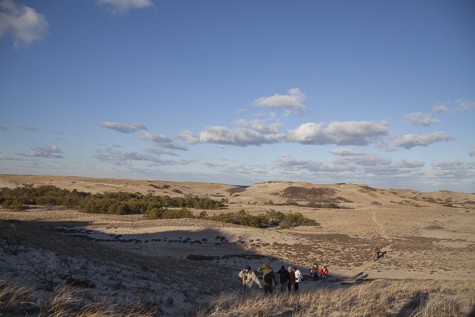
205, 254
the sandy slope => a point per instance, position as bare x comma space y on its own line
424, 235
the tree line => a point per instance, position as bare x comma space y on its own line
152, 206
118, 203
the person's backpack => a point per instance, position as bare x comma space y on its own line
268, 277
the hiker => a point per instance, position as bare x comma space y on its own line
283, 277
376, 253
298, 278
268, 277
291, 279
248, 278
324, 272
314, 271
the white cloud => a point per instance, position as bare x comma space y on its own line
356, 132
23, 23
420, 119
161, 141
123, 127
454, 170
344, 152
364, 159
411, 164
464, 104
123, 157
308, 133
188, 137
237, 136
291, 164
293, 101
246, 133
123, 6
363, 169
409, 140
368, 160
119, 157
45, 152
258, 132
441, 109
340, 133
259, 126
459, 105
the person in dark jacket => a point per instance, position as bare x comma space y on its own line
314, 271
283, 277
291, 280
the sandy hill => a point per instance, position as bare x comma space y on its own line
267, 193
424, 237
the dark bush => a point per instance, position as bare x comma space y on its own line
272, 218
118, 203
177, 214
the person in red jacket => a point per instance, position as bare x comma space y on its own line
324, 272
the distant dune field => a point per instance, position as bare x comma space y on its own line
424, 237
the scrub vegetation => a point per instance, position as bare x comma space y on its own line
152, 206
118, 203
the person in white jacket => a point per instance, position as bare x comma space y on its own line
248, 278
298, 278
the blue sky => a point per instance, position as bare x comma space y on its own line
373, 92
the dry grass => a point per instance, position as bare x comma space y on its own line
14, 297
376, 298
64, 302
68, 302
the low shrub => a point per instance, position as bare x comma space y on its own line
118, 203
177, 214
271, 218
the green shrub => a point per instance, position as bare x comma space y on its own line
17, 205
155, 213
177, 214
118, 203
270, 219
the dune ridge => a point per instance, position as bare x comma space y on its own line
425, 237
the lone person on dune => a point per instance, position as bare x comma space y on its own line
376, 253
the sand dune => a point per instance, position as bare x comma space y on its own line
425, 236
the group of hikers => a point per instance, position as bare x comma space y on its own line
288, 277
314, 272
